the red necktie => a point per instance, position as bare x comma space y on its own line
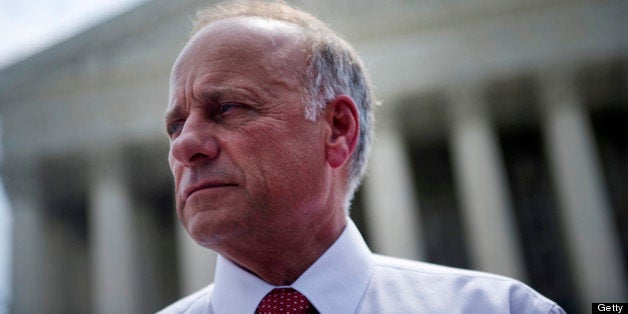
285, 300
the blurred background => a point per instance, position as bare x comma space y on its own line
501, 145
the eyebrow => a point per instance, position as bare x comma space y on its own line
210, 95
216, 95
173, 114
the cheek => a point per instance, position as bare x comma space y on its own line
177, 171
287, 161
174, 170
278, 156
271, 151
171, 162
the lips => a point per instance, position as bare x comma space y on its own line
204, 185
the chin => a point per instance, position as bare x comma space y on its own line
210, 232
203, 235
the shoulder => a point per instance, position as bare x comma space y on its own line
416, 268
406, 284
196, 302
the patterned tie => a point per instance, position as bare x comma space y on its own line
285, 300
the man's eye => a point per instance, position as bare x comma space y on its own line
174, 128
224, 108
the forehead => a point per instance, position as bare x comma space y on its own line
248, 38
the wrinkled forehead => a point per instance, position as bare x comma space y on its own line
246, 33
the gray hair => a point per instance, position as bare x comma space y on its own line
334, 68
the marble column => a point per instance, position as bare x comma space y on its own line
6, 241
585, 210
29, 261
485, 203
115, 284
196, 263
391, 206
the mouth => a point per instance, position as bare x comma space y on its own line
204, 186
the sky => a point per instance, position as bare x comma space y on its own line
29, 26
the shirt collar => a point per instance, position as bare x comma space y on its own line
335, 283
236, 290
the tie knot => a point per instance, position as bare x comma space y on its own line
285, 300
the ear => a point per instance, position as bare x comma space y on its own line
341, 115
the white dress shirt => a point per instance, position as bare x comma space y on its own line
348, 278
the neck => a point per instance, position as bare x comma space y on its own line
280, 261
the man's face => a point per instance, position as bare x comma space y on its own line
246, 162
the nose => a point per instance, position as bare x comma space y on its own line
196, 144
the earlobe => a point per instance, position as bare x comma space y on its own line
342, 117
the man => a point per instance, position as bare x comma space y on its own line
270, 121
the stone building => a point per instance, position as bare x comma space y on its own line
501, 145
